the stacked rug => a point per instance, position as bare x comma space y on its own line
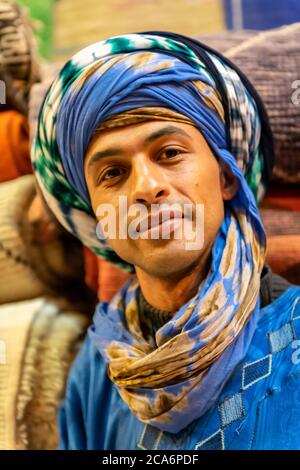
45, 310
30, 267
38, 342
270, 59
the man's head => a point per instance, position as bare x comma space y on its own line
154, 163
140, 72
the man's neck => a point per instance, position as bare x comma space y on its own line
171, 292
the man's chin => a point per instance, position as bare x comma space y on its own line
170, 246
165, 257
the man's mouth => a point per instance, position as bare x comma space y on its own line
160, 224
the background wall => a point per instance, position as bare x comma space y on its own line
66, 26
78, 23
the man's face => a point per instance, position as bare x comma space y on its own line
153, 163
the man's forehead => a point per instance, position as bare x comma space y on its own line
149, 130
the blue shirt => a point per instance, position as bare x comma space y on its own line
259, 407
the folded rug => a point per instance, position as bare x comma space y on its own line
283, 242
38, 342
270, 59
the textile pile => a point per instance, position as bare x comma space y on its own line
39, 340
45, 305
270, 60
45, 309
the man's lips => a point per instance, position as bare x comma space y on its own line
156, 219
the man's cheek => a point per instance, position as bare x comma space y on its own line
123, 248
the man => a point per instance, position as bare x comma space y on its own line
189, 355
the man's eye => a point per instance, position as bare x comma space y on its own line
111, 173
168, 154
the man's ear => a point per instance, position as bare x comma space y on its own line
229, 182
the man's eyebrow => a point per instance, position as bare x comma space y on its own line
110, 152
167, 130
116, 151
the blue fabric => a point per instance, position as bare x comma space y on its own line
261, 14
259, 407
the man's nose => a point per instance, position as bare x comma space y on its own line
149, 185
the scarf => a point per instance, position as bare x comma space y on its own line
173, 383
